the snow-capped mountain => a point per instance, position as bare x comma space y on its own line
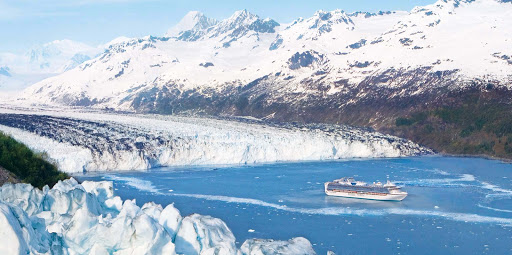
59, 56
46, 60
245, 65
240, 24
193, 21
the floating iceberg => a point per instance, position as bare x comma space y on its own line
73, 218
294, 246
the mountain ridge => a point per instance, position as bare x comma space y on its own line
359, 69
42, 61
416, 40
193, 20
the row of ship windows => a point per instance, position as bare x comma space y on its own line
366, 189
360, 192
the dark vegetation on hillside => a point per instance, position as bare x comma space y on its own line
476, 124
28, 166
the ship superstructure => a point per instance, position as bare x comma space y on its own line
350, 188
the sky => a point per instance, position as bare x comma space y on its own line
26, 23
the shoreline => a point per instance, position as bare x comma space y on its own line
482, 156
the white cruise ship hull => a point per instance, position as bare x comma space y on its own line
382, 197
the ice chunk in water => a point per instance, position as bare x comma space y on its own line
295, 246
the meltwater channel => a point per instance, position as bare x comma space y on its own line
455, 205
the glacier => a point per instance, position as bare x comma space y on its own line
87, 218
100, 141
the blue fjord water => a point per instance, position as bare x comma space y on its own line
455, 205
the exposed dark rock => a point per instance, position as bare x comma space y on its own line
406, 41
206, 64
120, 73
264, 26
305, 59
275, 44
378, 40
6, 176
361, 64
358, 44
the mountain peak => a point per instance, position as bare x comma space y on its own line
242, 17
193, 20
194, 14
56, 48
336, 16
324, 20
117, 40
237, 25
242, 21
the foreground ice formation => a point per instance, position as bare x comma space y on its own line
73, 218
80, 141
296, 246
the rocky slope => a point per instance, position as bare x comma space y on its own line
6, 176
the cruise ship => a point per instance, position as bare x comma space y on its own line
348, 187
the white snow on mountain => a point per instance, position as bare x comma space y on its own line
194, 20
14, 74
59, 56
100, 141
46, 60
117, 40
41, 62
87, 218
470, 38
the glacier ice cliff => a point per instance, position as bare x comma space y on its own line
87, 218
80, 141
